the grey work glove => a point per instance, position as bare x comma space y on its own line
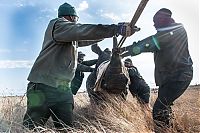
126, 30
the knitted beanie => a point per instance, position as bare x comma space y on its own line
66, 10
163, 18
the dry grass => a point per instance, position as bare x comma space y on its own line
187, 110
117, 116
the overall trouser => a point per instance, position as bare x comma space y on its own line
167, 94
44, 101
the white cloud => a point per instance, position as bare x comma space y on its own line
15, 64
116, 17
20, 5
82, 6
111, 16
5, 51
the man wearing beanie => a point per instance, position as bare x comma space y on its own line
173, 64
48, 91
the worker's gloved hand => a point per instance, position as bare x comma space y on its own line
126, 30
135, 29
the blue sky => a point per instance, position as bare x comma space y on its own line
23, 23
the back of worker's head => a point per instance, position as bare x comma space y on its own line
163, 18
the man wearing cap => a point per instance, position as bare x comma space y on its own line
82, 66
173, 64
48, 91
138, 86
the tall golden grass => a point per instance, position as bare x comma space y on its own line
111, 117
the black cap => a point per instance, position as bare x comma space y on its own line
128, 60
